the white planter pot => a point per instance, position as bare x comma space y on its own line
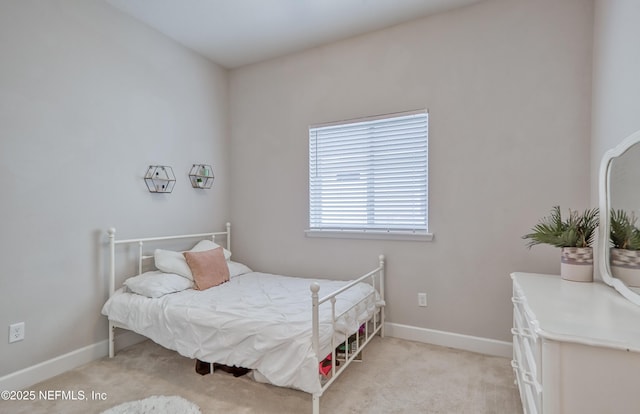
577, 264
625, 265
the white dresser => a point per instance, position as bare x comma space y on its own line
576, 347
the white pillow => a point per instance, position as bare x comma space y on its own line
206, 244
155, 284
173, 262
237, 269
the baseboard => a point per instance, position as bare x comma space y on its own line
32, 375
452, 340
55, 366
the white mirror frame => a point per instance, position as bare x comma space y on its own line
605, 209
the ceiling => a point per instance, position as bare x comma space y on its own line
233, 33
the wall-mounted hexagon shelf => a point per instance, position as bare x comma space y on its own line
201, 176
160, 179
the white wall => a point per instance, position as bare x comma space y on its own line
88, 99
616, 79
508, 86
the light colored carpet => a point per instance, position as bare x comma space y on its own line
157, 404
397, 376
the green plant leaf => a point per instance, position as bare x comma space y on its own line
623, 233
578, 230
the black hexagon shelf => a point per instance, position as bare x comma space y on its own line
160, 179
201, 176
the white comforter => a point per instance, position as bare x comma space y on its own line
256, 320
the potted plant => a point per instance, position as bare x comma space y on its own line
624, 256
574, 235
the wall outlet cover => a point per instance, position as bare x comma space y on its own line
16, 332
422, 299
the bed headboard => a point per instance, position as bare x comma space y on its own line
140, 242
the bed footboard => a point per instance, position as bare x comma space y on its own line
352, 346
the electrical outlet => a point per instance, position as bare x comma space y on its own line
422, 299
16, 332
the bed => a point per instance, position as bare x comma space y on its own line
291, 332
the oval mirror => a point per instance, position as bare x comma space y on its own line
619, 237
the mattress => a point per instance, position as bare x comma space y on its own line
256, 320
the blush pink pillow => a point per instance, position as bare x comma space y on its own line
209, 267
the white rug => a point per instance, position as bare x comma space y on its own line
156, 404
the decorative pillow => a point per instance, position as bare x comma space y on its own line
155, 284
237, 269
209, 268
173, 262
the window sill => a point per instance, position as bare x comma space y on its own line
369, 235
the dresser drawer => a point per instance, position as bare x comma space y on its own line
526, 355
530, 390
527, 319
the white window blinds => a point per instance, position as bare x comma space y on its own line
370, 174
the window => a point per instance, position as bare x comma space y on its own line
368, 177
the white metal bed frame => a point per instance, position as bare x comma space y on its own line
375, 325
